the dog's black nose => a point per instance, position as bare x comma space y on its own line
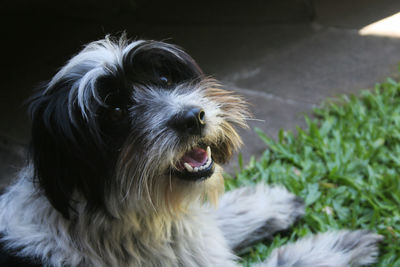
190, 121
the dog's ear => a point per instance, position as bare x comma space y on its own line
45, 151
65, 153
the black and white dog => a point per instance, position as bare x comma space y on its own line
127, 139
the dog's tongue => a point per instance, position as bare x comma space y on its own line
195, 158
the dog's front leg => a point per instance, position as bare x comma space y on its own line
333, 249
249, 214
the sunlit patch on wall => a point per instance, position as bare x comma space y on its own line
389, 27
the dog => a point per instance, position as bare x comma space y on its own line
124, 170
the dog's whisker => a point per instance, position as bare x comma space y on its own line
253, 119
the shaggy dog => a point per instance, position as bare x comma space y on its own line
127, 143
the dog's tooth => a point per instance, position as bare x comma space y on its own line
207, 163
201, 168
196, 169
188, 167
208, 152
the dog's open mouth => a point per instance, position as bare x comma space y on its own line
195, 165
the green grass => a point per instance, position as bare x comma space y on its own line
346, 166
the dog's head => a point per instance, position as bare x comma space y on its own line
132, 125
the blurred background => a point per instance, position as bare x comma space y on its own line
283, 56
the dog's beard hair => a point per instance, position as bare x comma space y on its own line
144, 179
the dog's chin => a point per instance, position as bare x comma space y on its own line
195, 165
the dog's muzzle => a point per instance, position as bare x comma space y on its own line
196, 164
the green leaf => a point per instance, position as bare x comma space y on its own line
312, 193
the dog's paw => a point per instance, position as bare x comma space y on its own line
272, 207
361, 246
285, 208
249, 214
332, 249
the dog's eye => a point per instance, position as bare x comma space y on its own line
116, 114
165, 80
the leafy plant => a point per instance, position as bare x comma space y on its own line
345, 165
